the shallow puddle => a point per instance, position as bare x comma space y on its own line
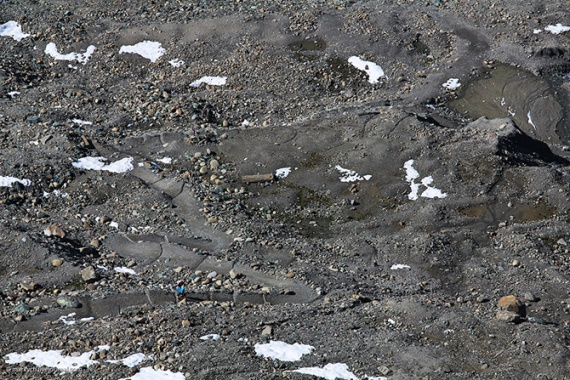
522, 212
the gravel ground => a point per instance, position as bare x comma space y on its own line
444, 256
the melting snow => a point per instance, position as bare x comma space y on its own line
54, 359
530, 121
283, 172
176, 62
283, 351
210, 337
131, 361
557, 29
399, 266
452, 84
124, 270
411, 175
374, 71
350, 175
96, 163
51, 50
12, 29
165, 160
147, 49
8, 181
81, 122
212, 81
13, 94
329, 372
148, 373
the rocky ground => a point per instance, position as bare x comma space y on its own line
458, 197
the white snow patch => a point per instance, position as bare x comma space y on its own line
399, 266
12, 29
411, 176
330, 371
96, 163
149, 373
13, 94
452, 84
283, 172
131, 361
67, 319
8, 181
165, 160
530, 121
374, 71
124, 270
54, 359
81, 122
350, 175
537, 31
212, 81
391, 321
210, 337
114, 225
51, 50
176, 62
152, 50
277, 350
557, 29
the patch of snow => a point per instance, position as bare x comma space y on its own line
373, 70
165, 160
149, 373
12, 29
67, 319
151, 50
176, 62
54, 359
283, 172
114, 225
411, 175
13, 94
391, 321
81, 122
131, 361
399, 266
96, 163
245, 123
212, 81
82, 58
124, 270
277, 350
8, 181
330, 372
530, 121
537, 31
557, 29
56, 193
350, 175
452, 84
210, 337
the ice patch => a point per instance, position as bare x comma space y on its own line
329, 372
283, 172
13, 94
537, 31
557, 29
12, 29
399, 266
165, 160
8, 181
96, 163
411, 176
149, 373
348, 175
51, 50
210, 337
124, 270
176, 62
374, 71
147, 49
530, 121
277, 350
452, 84
212, 81
67, 319
54, 359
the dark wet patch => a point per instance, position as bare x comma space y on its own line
521, 212
308, 44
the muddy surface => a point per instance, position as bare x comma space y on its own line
379, 220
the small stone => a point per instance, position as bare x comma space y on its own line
105, 219
178, 270
53, 230
29, 286
91, 286
233, 274
516, 263
507, 316
57, 262
185, 323
95, 243
290, 275
267, 331
529, 297
67, 302
385, 371
131, 263
88, 274
214, 164
203, 170
510, 303
561, 242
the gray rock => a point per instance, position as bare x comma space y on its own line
88, 274
68, 303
